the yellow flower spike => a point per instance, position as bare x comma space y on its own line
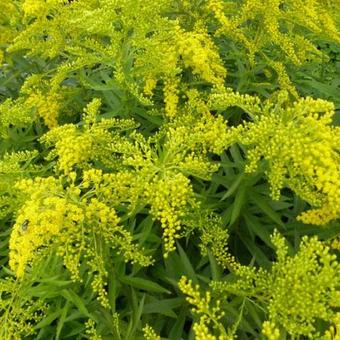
202, 331
47, 106
91, 331
150, 84
202, 306
199, 53
168, 198
37, 224
171, 96
150, 334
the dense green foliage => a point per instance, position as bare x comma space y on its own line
169, 169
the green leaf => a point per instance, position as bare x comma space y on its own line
257, 253
61, 321
188, 268
71, 296
54, 282
258, 229
178, 328
143, 284
233, 187
214, 267
164, 307
47, 320
266, 208
238, 204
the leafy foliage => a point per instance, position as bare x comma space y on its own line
169, 169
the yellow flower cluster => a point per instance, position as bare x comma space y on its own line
151, 170
38, 222
112, 233
214, 238
199, 52
303, 287
14, 114
95, 229
298, 142
171, 97
91, 331
202, 331
229, 26
197, 129
18, 312
107, 172
300, 147
158, 57
161, 165
47, 106
10, 19
104, 231
74, 146
123, 187
161, 49
333, 333
198, 166
270, 331
222, 98
169, 197
210, 315
14, 167
297, 290
201, 303
271, 30
335, 244
37, 8
150, 84
150, 334
31, 7
86, 45
79, 229
282, 77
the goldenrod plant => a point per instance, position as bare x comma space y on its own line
169, 169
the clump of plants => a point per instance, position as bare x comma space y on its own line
169, 169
